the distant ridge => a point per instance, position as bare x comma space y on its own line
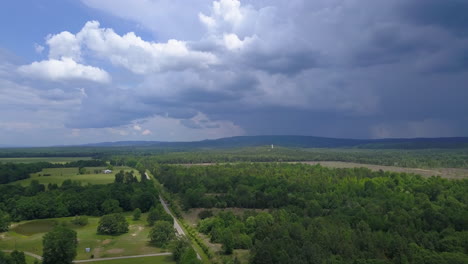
300, 142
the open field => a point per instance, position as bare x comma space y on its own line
143, 260
135, 242
450, 173
60, 160
58, 175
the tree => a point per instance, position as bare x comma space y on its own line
178, 247
162, 233
110, 206
158, 214
59, 246
82, 170
18, 257
4, 221
119, 177
112, 224
137, 214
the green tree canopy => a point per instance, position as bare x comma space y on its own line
59, 246
112, 224
162, 233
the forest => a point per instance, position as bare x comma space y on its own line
424, 158
323, 215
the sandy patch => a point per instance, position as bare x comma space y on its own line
107, 241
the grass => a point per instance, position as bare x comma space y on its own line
34, 227
58, 175
135, 242
143, 260
60, 160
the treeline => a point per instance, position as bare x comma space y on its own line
324, 215
433, 158
70, 199
10, 172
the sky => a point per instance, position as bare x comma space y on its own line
74, 72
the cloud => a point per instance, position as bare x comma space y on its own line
146, 132
129, 50
331, 68
38, 48
63, 70
64, 44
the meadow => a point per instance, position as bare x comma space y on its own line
58, 175
27, 236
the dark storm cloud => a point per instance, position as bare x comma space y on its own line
330, 68
450, 14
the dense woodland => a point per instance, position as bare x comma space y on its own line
432, 158
39, 201
323, 215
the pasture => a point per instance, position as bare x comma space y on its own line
57, 160
27, 236
93, 175
143, 260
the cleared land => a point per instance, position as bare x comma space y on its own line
23, 237
57, 160
450, 173
58, 175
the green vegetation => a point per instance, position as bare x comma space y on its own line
328, 215
15, 257
112, 224
183, 253
94, 175
56, 160
4, 221
137, 214
142, 260
161, 233
135, 242
158, 214
71, 199
425, 158
59, 246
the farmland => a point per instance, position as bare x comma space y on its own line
58, 175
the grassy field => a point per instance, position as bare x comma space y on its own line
58, 175
144, 260
60, 160
23, 237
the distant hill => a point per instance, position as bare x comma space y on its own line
300, 142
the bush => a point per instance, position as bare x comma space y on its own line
205, 214
80, 220
137, 214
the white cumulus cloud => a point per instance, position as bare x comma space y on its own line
64, 69
128, 51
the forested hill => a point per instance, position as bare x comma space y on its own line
302, 142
